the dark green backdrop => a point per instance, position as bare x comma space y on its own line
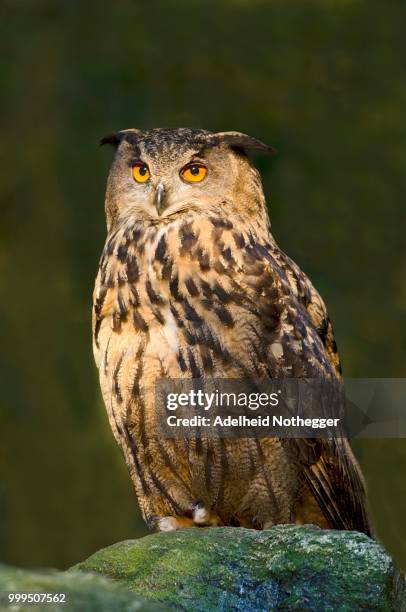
321, 80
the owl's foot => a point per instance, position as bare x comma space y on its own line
202, 517
170, 523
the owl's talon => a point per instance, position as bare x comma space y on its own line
198, 504
152, 521
203, 517
200, 516
199, 513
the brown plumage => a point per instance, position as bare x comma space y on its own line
192, 284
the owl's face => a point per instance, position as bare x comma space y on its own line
162, 173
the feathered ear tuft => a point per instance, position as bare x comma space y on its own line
243, 142
113, 139
116, 139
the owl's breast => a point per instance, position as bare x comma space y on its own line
209, 299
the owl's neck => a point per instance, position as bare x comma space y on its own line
193, 244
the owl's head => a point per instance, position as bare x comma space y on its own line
162, 173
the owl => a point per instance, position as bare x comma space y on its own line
191, 284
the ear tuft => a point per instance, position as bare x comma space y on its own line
116, 139
248, 144
113, 139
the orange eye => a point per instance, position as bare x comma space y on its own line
193, 173
141, 172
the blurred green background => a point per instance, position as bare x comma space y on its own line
323, 81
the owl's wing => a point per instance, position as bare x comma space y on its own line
333, 477
329, 466
311, 300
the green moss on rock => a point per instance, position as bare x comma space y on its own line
285, 568
84, 592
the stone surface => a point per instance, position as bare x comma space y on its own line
285, 568
84, 592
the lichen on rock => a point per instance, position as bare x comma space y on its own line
287, 567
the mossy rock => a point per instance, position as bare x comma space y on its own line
84, 592
285, 568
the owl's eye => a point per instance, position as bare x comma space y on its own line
193, 173
141, 172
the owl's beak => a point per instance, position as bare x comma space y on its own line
160, 198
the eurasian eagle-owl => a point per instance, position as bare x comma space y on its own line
192, 284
